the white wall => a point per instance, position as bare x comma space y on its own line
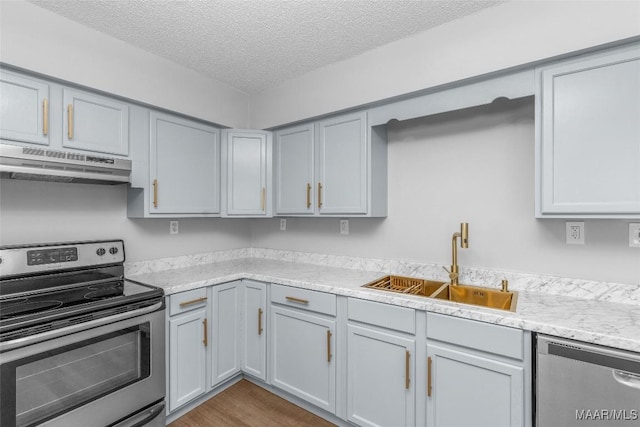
39, 40
475, 166
511, 34
32, 212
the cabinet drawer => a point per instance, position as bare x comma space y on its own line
320, 302
186, 301
384, 315
496, 339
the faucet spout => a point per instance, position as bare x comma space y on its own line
464, 243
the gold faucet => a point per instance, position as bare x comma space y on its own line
464, 243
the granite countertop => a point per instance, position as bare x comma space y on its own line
613, 324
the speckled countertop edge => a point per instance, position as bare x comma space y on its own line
612, 324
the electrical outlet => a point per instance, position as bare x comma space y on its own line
173, 227
634, 235
344, 226
575, 233
283, 224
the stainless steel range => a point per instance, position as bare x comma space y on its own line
79, 344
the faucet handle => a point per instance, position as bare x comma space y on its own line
452, 275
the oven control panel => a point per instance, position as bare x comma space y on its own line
30, 259
52, 256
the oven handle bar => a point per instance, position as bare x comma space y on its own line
22, 342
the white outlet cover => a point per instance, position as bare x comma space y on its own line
173, 227
344, 226
575, 233
283, 224
634, 235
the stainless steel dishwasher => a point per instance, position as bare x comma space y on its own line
579, 384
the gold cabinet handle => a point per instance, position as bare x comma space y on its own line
193, 301
407, 380
328, 346
429, 376
319, 195
259, 321
70, 121
204, 341
263, 199
298, 300
155, 193
308, 195
45, 117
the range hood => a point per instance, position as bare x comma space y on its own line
39, 164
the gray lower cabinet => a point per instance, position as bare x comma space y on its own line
24, 110
302, 340
254, 329
380, 364
588, 136
224, 315
187, 343
477, 374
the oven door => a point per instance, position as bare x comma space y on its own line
92, 377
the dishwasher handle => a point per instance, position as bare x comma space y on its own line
625, 378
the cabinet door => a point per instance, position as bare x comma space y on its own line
590, 136
184, 166
254, 352
302, 361
247, 173
95, 123
225, 332
342, 165
187, 357
295, 188
491, 391
380, 378
24, 109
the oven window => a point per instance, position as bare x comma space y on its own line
51, 383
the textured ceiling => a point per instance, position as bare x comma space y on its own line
255, 44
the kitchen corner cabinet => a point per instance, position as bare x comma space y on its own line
485, 366
24, 110
95, 123
183, 169
188, 341
334, 167
254, 333
302, 340
588, 136
246, 173
380, 364
225, 331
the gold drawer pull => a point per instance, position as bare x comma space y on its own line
204, 341
70, 121
298, 300
45, 117
193, 301
407, 380
259, 321
308, 195
429, 376
329, 346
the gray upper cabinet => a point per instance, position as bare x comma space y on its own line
24, 109
294, 151
334, 167
95, 123
588, 136
184, 167
246, 173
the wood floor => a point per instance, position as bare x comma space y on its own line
246, 404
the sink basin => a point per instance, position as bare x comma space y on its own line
476, 295
406, 285
465, 294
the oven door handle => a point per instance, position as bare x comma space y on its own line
143, 418
24, 341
